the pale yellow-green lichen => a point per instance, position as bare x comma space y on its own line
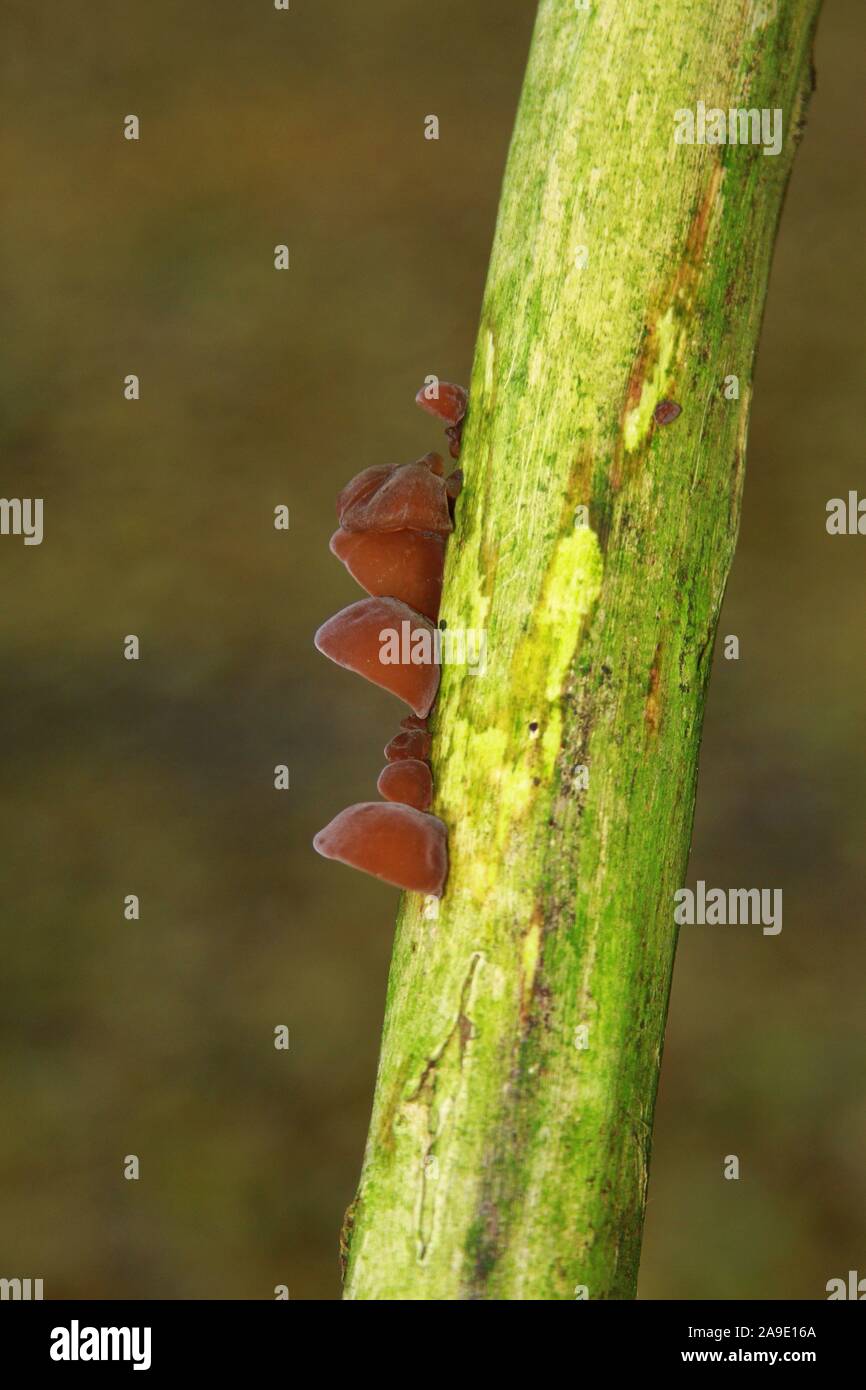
529, 962
540, 669
570, 591
491, 768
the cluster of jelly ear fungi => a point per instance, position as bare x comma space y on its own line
394, 524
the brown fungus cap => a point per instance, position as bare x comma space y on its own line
408, 781
454, 484
387, 643
361, 488
411, 721
449, 405
411, 743
391, 841
395, 564
404, 497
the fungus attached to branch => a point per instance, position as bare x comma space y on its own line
408, 781
666, 412
411, 743
411, 721
405, 497
394, 523
392, 842
381, 639
395, 564
449, 404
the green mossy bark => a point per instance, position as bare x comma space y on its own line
506, 1160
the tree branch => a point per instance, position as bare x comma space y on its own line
509, 1146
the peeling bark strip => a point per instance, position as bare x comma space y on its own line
627, 270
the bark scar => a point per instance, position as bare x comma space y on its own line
652, 708
664, 334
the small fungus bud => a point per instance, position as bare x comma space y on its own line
454, 435
450, 405
454, 484
411, 721
408, 781
411, 743
666, 412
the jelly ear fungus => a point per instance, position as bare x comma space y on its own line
409, 781
448, 403
352, 639
391, 841
394, 522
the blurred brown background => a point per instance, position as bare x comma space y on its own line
156, 777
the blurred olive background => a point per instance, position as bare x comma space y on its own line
156, 777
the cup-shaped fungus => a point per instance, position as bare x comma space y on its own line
391, 841
449, 404
411, 743
361, 488
454, 435
394, 522
454, 484
387, 643
408, 781
411, 721
395, 564
405, 497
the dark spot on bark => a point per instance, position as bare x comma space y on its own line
346, 1237
666, 412
652, 707
482, 1247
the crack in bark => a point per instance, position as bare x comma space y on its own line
424, 1095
